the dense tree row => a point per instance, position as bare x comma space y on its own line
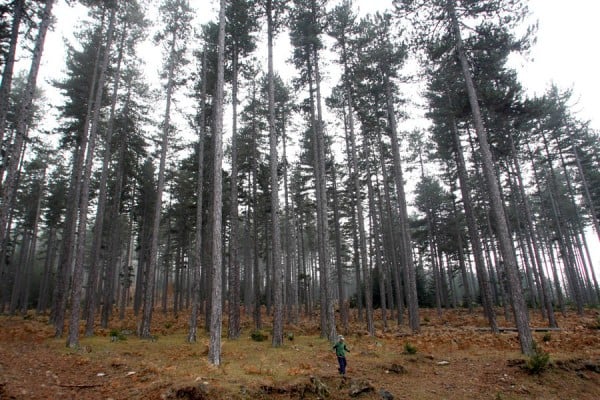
305, 207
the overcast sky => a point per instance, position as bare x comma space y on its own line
566, 51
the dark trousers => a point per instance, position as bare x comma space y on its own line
342, 362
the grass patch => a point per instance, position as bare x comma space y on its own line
409, 348
258, 336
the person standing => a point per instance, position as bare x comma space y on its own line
340, 351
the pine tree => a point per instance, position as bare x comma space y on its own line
214, 348
177, 16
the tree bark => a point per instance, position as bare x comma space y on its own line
9, 186
7, 73
278, 275
512, 269
214, 348
197, 260
100, 210
65, 263
148, 298
77, 284
410, 282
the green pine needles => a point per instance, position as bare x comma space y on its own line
539, 360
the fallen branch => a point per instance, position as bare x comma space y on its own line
515, 329
79, 386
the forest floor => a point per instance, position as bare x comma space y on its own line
456, 358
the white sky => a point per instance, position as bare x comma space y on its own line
566, 50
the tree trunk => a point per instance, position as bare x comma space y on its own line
291, 277
343, 306
214, 349
234, 262
68, 236
197, 259
546, 293
77, 284
410, 282
327, 314
114, 244
7, 73
100, 210
148, 298
512, 269
278, 275
9, 186
47, 271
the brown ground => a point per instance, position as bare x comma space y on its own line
454, 360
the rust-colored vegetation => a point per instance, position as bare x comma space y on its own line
453, 358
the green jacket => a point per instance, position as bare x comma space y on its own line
340, 349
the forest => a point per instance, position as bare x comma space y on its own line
228, 191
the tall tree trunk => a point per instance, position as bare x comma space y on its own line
256, 280
9, 186
343, 306
114, 244
216, 314
578, 218
327, 314
77, 284
234, 262
376, 211
510, 261
148, 298
568, 259
278, 275
410, 281
391, 228
354, 173
197, 259
100, 210
291, 277
483, 279
7, 73
65, 262
126, 273
468, 297
42, 303
367, 276
546, 293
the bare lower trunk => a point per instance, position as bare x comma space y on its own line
148, 299
77, 285
278, 275
410, 281
100, 210
197, 260
216, 314
474, 236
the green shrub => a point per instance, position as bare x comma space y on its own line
546, 338
539, 360
116, 335
409, 348
259, 336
